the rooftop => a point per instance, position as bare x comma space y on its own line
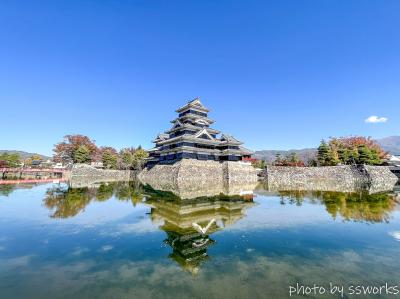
195, 104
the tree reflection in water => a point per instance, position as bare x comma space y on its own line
7, 189
67, 202
359, 207
188, 223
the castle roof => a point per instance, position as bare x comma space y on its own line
246, 151
229, 139
195, 104
192, 127
194, 118
161, 137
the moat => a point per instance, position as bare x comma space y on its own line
127, 240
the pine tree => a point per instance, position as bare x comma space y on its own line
343, 155
353, 156
82, 155
364, 155
139, 157
109, 159
324, 155
375, 160
126, 159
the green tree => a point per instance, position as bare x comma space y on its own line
82, 155
353, 156
139, 157
312, 163
343, 155
293, 158
258, 164
126, 157
324, 155
364, 155
109, 159
36, 157
375, 160
12, 160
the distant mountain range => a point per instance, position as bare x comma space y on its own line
390, 144
305, 154
25, 155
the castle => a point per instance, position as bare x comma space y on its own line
191, 157
191, 137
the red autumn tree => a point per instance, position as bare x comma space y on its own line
351, 150
66, 150
356, 141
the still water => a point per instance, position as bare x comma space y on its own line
125, 240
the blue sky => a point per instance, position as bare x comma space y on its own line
276, 74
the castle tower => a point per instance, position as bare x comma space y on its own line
191, 137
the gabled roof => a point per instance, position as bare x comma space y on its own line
177, 123
196, 104
202, 121
204, 132
154, 149
161, 137
187, 138
245, 151
229, 139
192, 127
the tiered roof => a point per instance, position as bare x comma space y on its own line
194, 104
192, 137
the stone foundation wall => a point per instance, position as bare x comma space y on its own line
85, 175
190, 176
238, 173
380, 177
344, 178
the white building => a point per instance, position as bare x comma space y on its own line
394, 160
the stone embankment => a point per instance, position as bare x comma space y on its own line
344, 178
207, 178
86, 175
190, 178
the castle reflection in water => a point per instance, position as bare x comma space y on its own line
190, 217
190, 223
